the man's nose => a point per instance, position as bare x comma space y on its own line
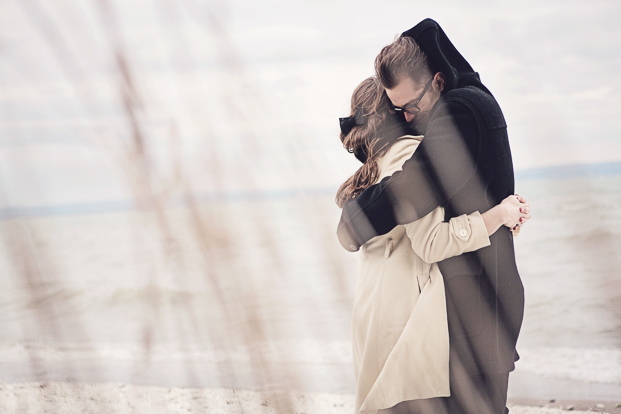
409, 116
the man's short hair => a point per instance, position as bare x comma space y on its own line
402, 58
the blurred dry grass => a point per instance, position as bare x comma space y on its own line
160, 187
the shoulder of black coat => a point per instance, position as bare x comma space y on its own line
481, 103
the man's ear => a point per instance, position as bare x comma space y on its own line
440, 80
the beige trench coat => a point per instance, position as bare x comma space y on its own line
400, 331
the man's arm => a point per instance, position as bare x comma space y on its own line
443, 163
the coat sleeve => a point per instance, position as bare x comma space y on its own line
443, 163
434, 240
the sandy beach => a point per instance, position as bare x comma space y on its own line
70, 398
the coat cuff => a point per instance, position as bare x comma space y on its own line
471, 228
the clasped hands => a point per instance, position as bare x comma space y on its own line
517, 212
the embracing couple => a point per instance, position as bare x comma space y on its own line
439, 301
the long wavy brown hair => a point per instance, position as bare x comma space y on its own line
369, 101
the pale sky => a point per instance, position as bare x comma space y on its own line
245, 95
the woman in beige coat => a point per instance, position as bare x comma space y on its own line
400, 332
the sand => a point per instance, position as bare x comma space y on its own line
70, 398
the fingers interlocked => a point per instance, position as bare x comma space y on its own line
524, 210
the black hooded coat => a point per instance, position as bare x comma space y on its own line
464, 165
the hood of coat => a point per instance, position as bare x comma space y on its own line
444, 56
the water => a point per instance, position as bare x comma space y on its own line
192, 297
569, 257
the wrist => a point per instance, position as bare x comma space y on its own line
494, 218
505, 215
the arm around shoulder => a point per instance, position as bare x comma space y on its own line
444, 162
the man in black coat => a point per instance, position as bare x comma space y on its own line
463, 164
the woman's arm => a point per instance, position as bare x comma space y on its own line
434, 240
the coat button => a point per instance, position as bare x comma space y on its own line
352, 246
463, 233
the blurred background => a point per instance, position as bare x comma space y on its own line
168, 172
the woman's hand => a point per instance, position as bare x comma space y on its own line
512, 212
516, 211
